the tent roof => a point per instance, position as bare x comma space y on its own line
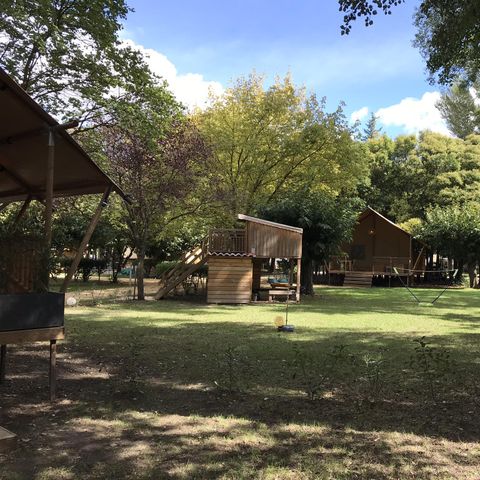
247, 218
24, 132
369, 210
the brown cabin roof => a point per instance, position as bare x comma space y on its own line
24, 131
247, 218
369, 210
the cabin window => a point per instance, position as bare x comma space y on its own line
358, 252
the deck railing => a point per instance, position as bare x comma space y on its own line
388, 264
227, 241
340, 263
379, 265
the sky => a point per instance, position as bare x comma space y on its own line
197, 46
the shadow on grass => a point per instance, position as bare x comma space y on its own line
137, 399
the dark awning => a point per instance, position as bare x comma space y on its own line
24, 132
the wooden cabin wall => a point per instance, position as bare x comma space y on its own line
229, 280
257, 273
265, 241
386, 241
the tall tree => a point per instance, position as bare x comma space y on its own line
266, 142
448, 33
327, 221
371, 129
455, 232
67, 53
458, 107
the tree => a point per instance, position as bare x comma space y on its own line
266, 142
455, 232
161, 174
459, 109
67, 53
327, 221
409, 175
371, 129
367, 9
448, 33
449, 38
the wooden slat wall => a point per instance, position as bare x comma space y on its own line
271, 242
229, 280
257, 273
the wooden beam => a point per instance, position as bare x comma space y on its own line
8, 440
32, 335
18, 180
299, 270
50, 170
86, 239
35, 132
22, 211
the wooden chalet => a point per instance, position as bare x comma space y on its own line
234, 258
39, 161
379, 249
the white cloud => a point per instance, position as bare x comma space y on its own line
191, 88
414, 114
359, 114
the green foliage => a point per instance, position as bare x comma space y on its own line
454, 231
410, 175
448, 33
67, 53
459, 109
448, 37
232, 364
327, 221
431, 364
267, 142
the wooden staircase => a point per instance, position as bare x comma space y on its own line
358, 279
188, 264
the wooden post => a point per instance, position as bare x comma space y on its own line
85, 240
49, 188
3, 359
299, 269
53, 369
48, 211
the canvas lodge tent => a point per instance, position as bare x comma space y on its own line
379, 248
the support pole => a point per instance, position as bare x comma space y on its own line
53, 370
48, 211
3, 359
86, 239
299, 269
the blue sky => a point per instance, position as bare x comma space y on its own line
197, 45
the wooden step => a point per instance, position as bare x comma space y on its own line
358, 279
8, 440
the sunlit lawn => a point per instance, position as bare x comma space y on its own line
178, 389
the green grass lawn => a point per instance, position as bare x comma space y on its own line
175, 389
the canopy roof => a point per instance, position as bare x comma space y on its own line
24, 135
268, 223
369, 211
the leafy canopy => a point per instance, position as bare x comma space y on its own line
266, 142
67, 53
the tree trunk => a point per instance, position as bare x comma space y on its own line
472, 274
141, 273
307, 276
